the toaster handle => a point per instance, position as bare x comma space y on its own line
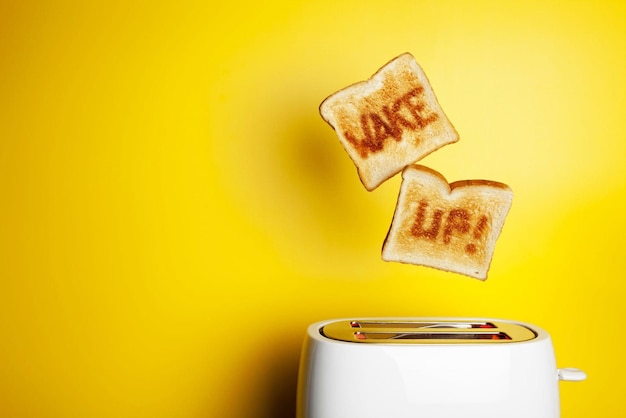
570, 374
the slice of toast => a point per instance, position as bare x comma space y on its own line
451, 227
389, 121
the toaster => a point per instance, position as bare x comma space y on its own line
429, 368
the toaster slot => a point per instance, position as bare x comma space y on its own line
427, 331
421, 325
493, 336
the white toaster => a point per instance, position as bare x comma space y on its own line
429, 368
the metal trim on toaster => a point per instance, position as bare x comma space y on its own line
458, 331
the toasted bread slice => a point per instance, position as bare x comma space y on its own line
389, 121
452, 227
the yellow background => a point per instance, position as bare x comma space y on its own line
174, 212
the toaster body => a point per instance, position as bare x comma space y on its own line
435, 368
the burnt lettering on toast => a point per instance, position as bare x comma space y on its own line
481, 227
431, 231
427, 224
406, 113
458, 221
